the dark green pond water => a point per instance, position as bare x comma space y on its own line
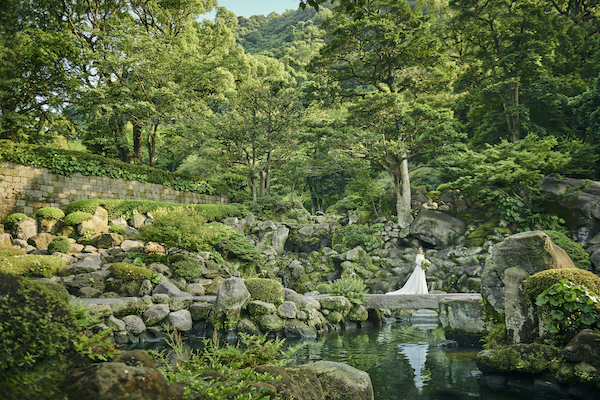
404, 362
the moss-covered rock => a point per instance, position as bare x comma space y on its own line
59, 244
269, 323
336, 303
257, 307
267, 290
13, 219
358, 313
128, 272
50, 213
32, 265
541, 281
335, 317
77, 217
37, 344
528, 358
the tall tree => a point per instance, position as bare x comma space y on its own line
388, 57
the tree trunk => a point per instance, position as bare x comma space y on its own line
151, 141
402, 187
313, 205
262, 182
137, 142
253, 186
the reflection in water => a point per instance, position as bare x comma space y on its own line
403, 361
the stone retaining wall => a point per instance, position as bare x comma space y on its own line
26, 189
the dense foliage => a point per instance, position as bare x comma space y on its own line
580, 257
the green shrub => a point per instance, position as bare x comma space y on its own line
187, 269
353, 289
59, 244
220, 212
541, 281
323, 288
580, 257
57, 290
118, 229
35, 339
13, 219
32, 265
50, 213
129, 272
77, 217
362, 235
267, 207
267, 290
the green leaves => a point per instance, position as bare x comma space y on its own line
571, 305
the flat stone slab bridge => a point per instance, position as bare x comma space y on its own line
375, 301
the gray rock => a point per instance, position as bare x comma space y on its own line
180, 320
346, 382
166, 287
88, 292
294, 328
231, 298
287, 310
258, 307
134, 324
115, 323
463, 316
5, 240
132, 246
41, 240
247, 326
156, 314
531, 251
520, 320
145, 288
160, 268
200, 311
437, 228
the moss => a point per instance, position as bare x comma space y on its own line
59, 244
9, 251
527, 358
335, 317
77, 217
128, 272
188, 269
541, 281
267, 290
58, 291
13, 219
53, 213
496, 337
323, 288
37, 344
580, 257
32, 265
118, 229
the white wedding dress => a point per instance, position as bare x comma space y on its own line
417, 282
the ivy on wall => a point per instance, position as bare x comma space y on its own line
67, 162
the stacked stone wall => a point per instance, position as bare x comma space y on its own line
26, 189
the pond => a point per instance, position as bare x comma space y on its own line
405, 362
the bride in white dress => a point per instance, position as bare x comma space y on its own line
417, 282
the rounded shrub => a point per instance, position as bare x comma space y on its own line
353, 289
13, 219
129, 272
118, 229
77, 217
541, 281
32, 265
188, 269
59, 244
267, 290
580, 257
50, 213
37, 343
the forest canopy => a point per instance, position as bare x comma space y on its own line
308, 108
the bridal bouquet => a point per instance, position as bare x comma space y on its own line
425, 264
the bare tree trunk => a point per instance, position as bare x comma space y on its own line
262, 182
137, 142
402, 187
151, 141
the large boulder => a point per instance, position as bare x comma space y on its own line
341, 381
116, 380
520, 320
577, 201
5, 240
437, 228
231, 298
295, 383
168, 288
532, 251
24, 229
465, 316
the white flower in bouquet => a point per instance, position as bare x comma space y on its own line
425, 264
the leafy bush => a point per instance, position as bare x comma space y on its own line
187, 269
129, 272
50, 213
267, 290
13, 219
57, 290
342, 206
580, 257
354, 289
77, 217
267, 207
571, 305
59, 244
67, 162
118, 229
36, 332
323, 288
541, 281
362, 235
32, 265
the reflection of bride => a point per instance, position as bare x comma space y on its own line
417, 282
416, 354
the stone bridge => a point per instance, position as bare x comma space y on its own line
416, 301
